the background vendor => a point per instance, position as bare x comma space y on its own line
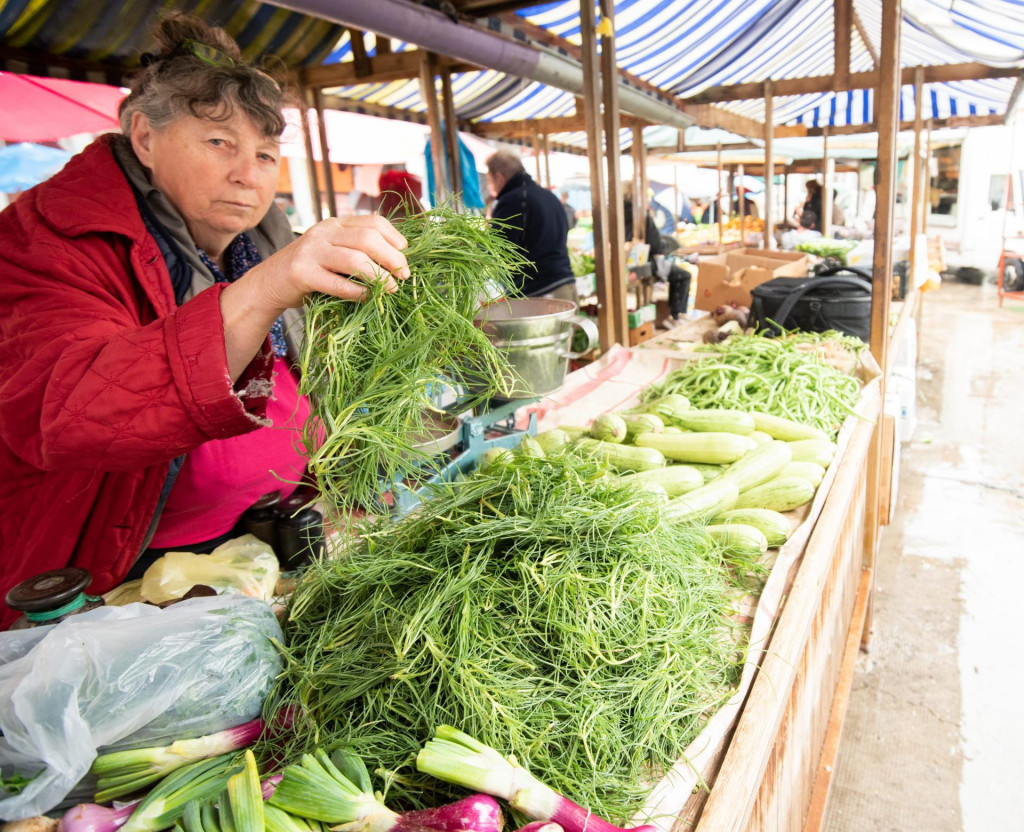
147, 293
533, 218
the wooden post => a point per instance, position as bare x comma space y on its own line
718, 195
785, 194
613, 149
768, 240
428, 92
926, 184
307, 138
591, 102
325, 154
451, 134
538, 152
842, 22
741, 193
547, 162
644, 182
887, 119
825, 220
915, 199
639, 193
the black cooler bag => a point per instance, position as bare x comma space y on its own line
814, 304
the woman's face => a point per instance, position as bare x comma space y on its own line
220, 175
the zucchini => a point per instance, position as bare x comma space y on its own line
774, 526
668, 405
785, 429
760, 465
625, 458
574, 431
531, 447
760, 437
671, 429
706, 501
719, 421
608, 427
552, 441
820, 451
642, 423
739, 539
810, 471
709, 472
675, 479
712, 448
779, 494
493, 455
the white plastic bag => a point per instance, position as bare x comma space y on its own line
124, 677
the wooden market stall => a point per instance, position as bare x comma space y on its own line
775, 770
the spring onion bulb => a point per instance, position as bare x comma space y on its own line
199, 781
457, 758
90, 817
125, 772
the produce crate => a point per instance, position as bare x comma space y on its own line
644, 332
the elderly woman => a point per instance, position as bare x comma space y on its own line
146, 290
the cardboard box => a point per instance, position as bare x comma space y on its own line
728, 278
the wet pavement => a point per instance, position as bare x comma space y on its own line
934, 735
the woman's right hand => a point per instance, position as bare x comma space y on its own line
325, 258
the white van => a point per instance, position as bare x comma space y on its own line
976, 201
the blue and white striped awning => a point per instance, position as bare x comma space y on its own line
686, 46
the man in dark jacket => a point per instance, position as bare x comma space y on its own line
534, 219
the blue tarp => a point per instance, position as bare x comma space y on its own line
24, 165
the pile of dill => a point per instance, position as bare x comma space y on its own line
371, 369
780, 376
536, 605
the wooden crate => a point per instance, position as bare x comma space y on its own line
765, 778
642, 333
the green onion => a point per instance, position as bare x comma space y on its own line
316, 789
198, 781
245, 797
371, 369
125, 772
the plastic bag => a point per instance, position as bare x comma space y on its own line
124, 677
244, 565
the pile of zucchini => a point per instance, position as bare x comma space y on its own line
738, 471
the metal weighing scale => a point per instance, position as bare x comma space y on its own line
461, 446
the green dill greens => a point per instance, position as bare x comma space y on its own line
779, 376
538, 605
370, 369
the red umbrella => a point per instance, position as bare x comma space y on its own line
46, 109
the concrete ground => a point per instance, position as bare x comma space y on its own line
934, 736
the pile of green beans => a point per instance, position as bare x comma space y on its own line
774, 376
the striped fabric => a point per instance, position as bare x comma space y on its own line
682, 46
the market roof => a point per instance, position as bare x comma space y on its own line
698, 50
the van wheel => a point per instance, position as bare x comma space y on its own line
1013, 275
971, 275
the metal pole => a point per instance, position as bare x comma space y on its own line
428, 92
825, 220
916, 194
718, 196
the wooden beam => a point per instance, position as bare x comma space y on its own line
715, 117
863, 32
390, 66
887, 114
768, 238
307, 139
613, 152
76, 68
700, 148
858, 81
428, 93
825, 220
527, 128
842, 25
915, 198
325, 154
383, 44
451, 134
591, 101
1011, 105
360, 61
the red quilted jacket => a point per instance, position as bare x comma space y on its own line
103, 379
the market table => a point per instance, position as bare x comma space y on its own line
760, 754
